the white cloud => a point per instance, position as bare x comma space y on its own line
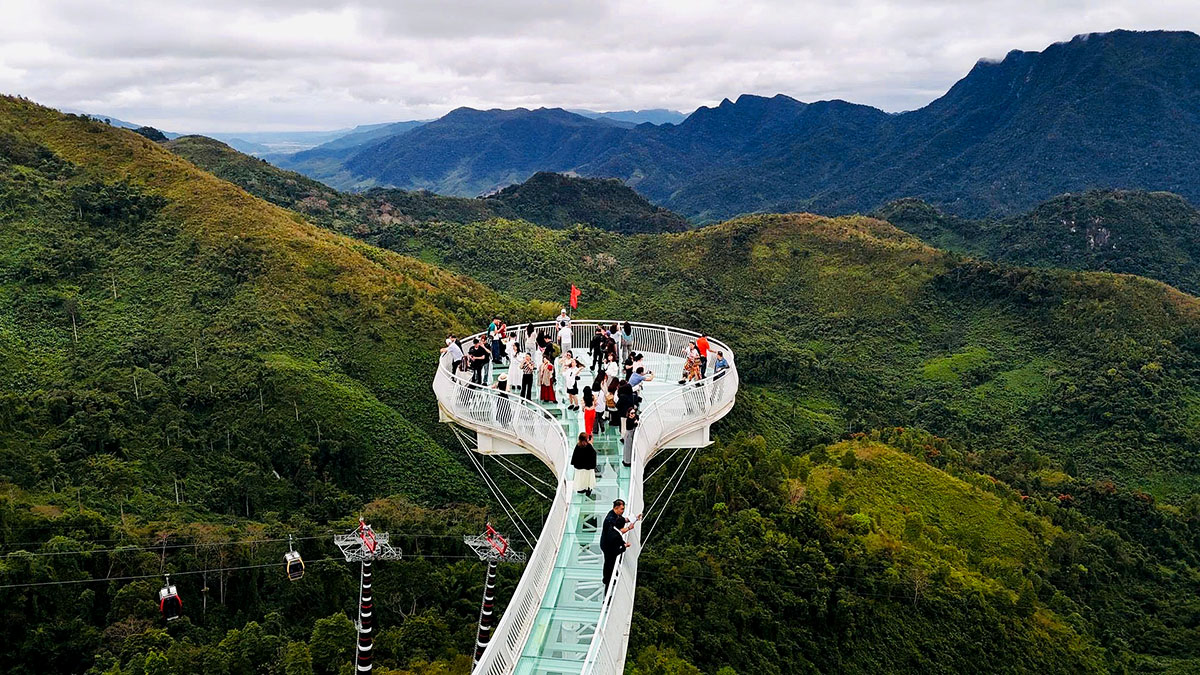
225, 65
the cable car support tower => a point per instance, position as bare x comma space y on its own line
365, 546
494, 549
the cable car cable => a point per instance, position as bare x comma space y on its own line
210, 569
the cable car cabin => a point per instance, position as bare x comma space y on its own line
294, 565
169, 603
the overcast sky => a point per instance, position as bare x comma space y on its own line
237, 65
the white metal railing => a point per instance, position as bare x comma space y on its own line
488, 411
691, 407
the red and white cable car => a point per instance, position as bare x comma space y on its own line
169, 603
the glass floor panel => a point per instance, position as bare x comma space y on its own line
570, 607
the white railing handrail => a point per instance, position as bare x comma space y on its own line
478, 407
606, 654
529, 425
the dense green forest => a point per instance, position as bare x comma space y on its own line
1151, 234
936, 464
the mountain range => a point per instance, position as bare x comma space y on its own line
1112, 110
550, 200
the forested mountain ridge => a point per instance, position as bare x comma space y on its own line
559, 201
469, 152
550, 200
786, 550
1151, 234
715, 263
191, 266
1111, 110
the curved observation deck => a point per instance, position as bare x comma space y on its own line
559, 620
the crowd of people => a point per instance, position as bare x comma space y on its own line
604, 384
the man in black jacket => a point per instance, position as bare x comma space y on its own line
478, 354
612, 543
596, 350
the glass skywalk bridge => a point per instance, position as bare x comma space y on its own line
559, 620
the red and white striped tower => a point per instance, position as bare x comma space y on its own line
494, 549
364, 546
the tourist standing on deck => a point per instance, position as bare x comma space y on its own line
528, 370
721, 365
570, 373
625, 403
702, 349
456, 353
610, 404
564, 338
546, 379
596, 350
612, 539
531, 340
503, 405
583, 458
691, 363
515, 357
600, 410
563, 321
499, 331
638, 380
478, 354
611, 367
610, 348
626, 340
631, 422
589, 410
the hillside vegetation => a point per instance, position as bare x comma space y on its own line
184, 364
558, 201
1152, 234
1075, 389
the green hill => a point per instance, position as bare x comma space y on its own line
1094, 370
182, 362
1075, 389
1152, 234
558, 201
207, 297
888, 553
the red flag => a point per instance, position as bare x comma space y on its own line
574, 297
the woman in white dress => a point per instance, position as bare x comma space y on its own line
583, 458
533, 348
514, 363
571, 381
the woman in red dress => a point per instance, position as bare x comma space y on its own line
589, 410
547, 381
